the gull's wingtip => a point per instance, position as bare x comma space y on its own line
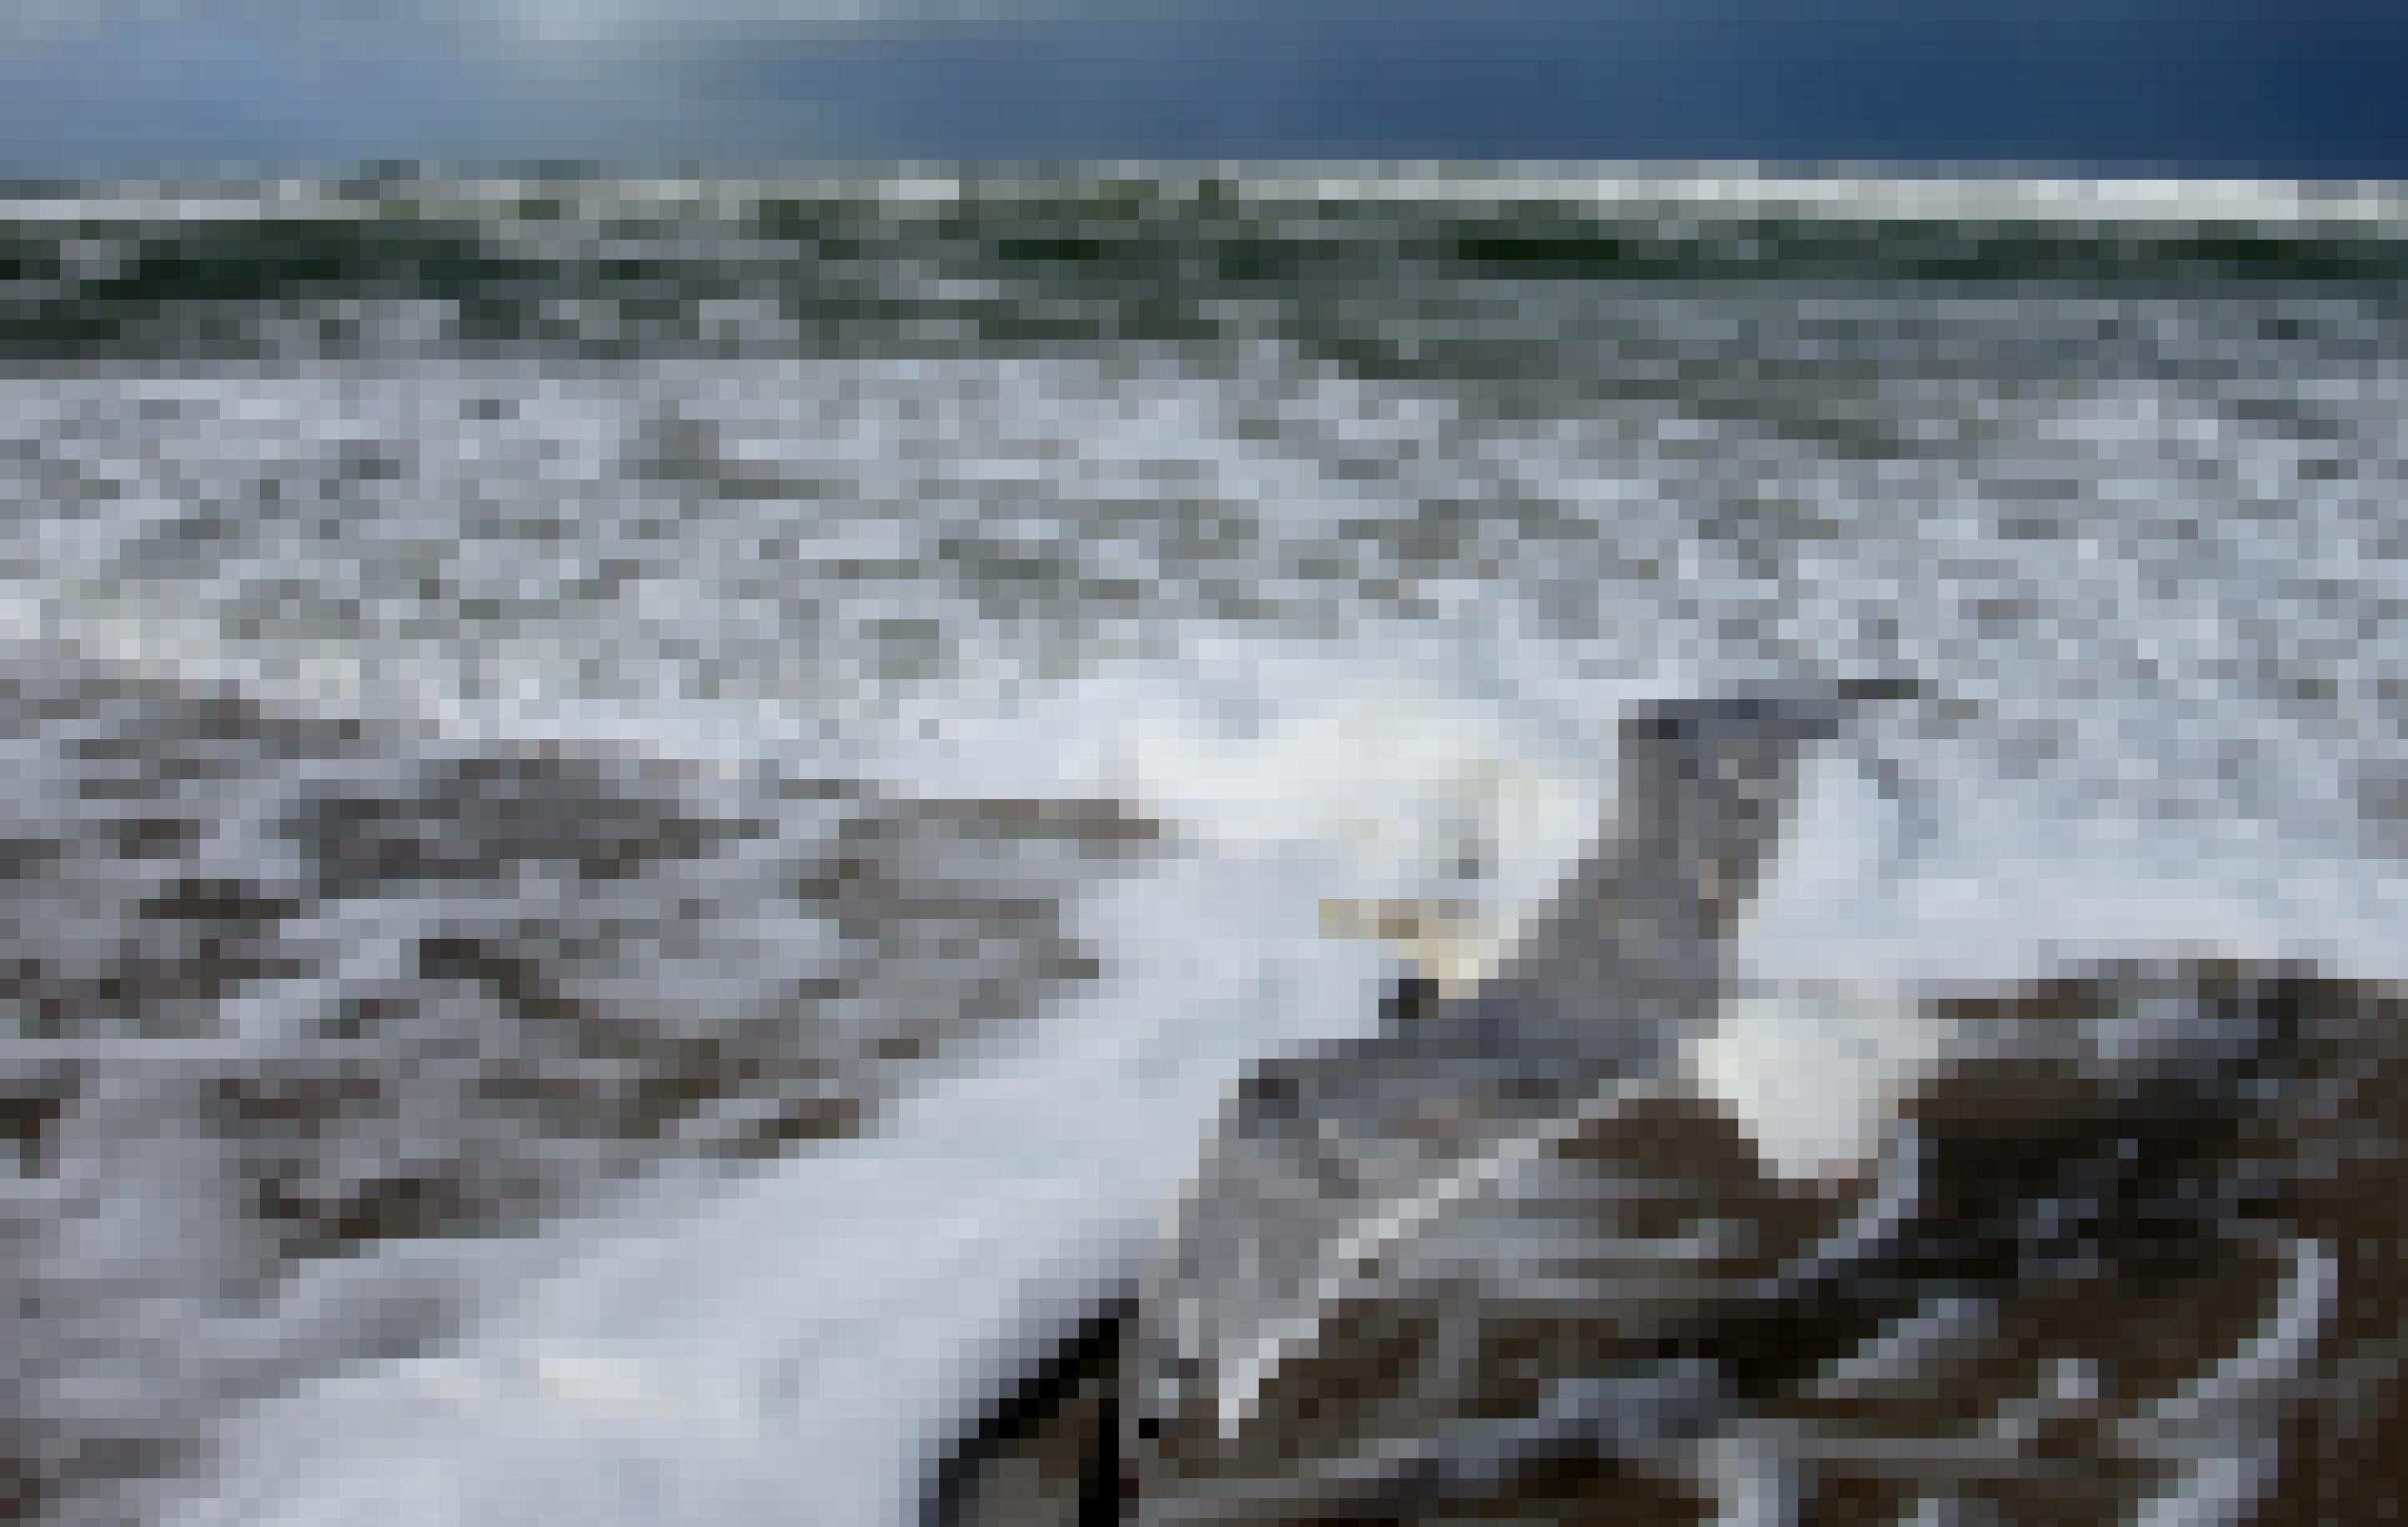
1808, 708
1882, 689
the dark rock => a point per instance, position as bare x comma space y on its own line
283, 991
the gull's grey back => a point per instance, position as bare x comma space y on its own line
1627, 961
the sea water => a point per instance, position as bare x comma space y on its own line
1329, 521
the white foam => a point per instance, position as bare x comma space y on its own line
797, 1336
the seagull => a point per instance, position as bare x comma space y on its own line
1504, 1167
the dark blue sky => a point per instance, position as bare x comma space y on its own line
2309, 88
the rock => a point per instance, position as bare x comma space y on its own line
289, 992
